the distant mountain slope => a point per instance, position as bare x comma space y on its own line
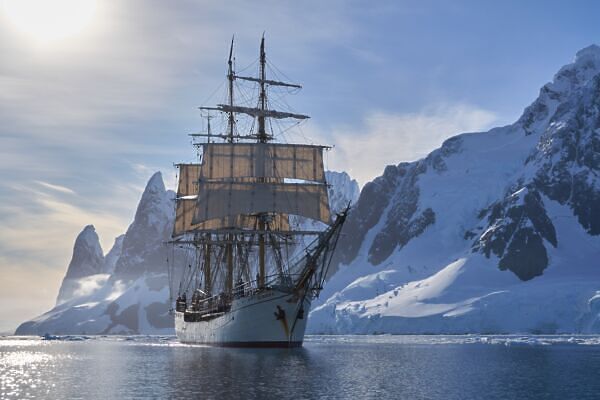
494, 232
127, 292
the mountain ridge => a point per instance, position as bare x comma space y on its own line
520, 200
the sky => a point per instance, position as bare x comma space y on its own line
96, 95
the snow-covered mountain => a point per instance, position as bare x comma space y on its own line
495, 231
127, 291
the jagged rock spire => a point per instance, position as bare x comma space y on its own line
143, 247
88, 259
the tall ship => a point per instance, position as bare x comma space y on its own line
246, 264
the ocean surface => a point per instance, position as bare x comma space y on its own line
327, 367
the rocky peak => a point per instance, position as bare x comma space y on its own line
87, 257
566, 161
555, 98
143, 247
154, 204
343, 190
87, 260
575, 75
563, 166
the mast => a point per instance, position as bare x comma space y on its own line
207, 271
262, 134
262, 138
261, 251
208, 118
229, 249
231, 78
208, 236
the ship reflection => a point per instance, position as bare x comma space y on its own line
231, 373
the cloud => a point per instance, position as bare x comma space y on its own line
130, 70
57, 188
391, 138
43, 227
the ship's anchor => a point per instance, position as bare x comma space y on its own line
280, 313
280, 316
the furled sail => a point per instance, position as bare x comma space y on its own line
268, 81
255, 112
222, 199
231, 161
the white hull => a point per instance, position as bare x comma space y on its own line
253, 321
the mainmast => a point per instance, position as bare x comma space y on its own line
231, 123
262, 138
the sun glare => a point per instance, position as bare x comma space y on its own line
49, 20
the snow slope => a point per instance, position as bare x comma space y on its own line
495, 231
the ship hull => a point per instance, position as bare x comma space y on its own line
269, 318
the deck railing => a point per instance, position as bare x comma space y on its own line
222, 302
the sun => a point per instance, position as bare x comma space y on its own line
49, 20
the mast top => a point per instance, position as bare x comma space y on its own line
261, 112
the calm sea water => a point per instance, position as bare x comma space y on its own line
351, 367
